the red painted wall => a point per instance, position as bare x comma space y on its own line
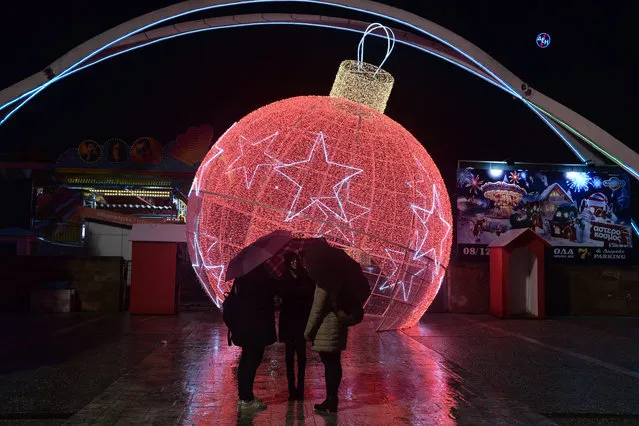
496, 282
153, 278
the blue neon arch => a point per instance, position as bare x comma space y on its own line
549, 123
228, 3
585, 130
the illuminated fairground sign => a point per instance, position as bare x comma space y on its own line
184, 154
583, 213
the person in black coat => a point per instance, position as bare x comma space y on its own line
253, 329
296, 292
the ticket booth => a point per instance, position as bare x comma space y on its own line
153, 268
517, 287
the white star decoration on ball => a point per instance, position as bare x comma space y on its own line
257, 149
389, 282
396, 257
200, 261
423, 214
304, 198
352, 211
410, 287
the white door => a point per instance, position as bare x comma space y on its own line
523, 283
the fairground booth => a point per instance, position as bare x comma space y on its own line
577, 256
82, 210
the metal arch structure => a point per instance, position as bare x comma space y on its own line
566, 123
418, 42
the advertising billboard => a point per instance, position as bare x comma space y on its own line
584, 214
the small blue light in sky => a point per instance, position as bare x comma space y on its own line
543, 40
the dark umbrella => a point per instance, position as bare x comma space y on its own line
330, 267
339, 274
276, 265
255, 254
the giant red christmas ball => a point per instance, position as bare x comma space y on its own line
322, 166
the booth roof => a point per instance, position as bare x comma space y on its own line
508, 237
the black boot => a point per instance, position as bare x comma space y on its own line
328, 406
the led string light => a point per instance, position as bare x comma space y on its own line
553, 126
255, 148
251, 24
363, 83
502, 86
148, 184
133, 192
352, 211
406, 294
132, 206
211, 7
202, 262
424, 215
550, 124
342, 173
126, 192
330, 230
634, 227
611, 157
391, 280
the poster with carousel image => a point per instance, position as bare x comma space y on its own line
584, 212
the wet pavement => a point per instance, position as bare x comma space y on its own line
451, 369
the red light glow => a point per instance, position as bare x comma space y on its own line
321, 166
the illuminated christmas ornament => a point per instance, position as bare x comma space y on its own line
331, 167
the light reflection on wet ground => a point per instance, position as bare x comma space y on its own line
451, 369
389, 378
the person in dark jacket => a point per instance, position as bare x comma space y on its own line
253, 330
296, 292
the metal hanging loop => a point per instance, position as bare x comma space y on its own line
390, 44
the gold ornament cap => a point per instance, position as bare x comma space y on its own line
362, 82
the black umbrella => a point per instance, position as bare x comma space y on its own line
333, 269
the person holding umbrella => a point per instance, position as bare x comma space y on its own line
337, 304
253, 329
297, 298
249, 310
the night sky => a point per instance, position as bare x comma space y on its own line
219, 76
